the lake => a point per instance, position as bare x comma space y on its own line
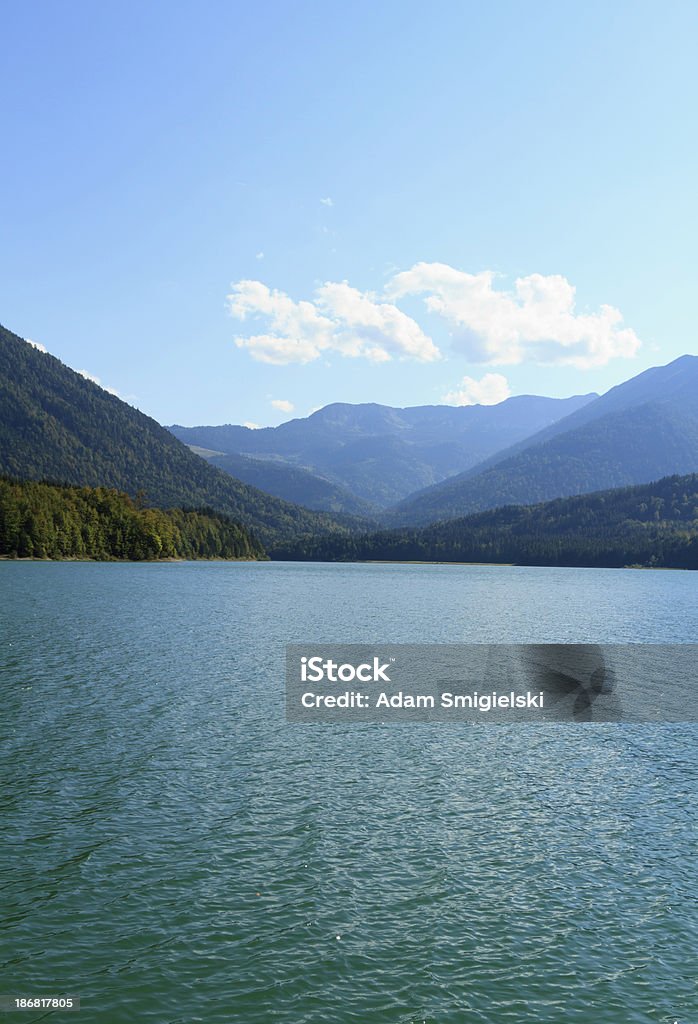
175, 851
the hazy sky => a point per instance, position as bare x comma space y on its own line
239, 212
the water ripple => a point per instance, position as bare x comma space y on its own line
174, 851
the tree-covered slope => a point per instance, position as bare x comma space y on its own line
292, 483
56, 425
39, 520
650, 525
643, 430
381, 454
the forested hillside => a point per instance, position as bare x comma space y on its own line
292, 483
56, 425
650, 525
640, 431
39, 520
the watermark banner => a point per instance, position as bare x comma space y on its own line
502, 683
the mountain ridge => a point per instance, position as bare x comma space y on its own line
641, 430
382, 453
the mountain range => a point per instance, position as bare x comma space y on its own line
523, 451
319, 483
375, 452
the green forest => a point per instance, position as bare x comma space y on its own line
56, 425
653, 525
41, 520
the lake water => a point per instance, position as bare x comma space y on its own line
175, 851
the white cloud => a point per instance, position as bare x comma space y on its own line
489, 390
297, 332
97, 381
536, 320
282, 404
327, 201
36, 344
251, 426
259, 255
341, 319
376, 330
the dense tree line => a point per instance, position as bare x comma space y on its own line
41, 520
56, 425
648, 525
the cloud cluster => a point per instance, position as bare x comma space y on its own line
489, 390
340, 319
282, 404
536, 320
36, 345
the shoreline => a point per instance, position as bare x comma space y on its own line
515, 565
495, 565
124, 561
319, 561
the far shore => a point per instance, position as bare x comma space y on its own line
319, 561
512, 565
424, 561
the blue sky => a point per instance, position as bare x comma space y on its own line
368, 181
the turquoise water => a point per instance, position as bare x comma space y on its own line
174, 851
